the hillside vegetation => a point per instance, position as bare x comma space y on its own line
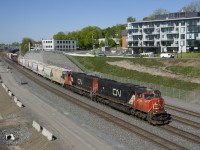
100, 64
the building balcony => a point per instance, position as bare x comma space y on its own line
167, 39
173, 45
148, 39
155, 32
137, 33
197, 38
131, 27
166, 26
145, 27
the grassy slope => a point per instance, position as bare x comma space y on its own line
185, 70
99, 64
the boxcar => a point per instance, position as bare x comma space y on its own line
41, 69
35, 67
58, 74
48, 72
30, 64
26, 63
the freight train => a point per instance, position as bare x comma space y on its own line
142, 102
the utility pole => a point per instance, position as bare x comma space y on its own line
93, 41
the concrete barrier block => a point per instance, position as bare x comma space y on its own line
10, 93
15, 99
48, 134
3, 85
6, 89
19, 104
36, 126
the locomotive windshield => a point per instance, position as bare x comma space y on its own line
148, 96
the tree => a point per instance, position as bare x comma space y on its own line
160, 11
192, 7
148, 18
111, 43
131, 19
59, 36
25, 44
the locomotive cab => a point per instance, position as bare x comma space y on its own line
152, 104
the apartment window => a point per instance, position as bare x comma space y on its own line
182, 23
182, 43
182, 36
182, 29
57, 41
60, 41
63, 41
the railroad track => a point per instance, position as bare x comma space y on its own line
184, 120
181, 133
185, 111
158, 140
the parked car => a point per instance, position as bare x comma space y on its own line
101, 54
166, 55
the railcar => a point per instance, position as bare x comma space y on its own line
48, 72
58, 75
41, 69
35, 67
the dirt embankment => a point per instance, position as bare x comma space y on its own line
13, 120
153, 71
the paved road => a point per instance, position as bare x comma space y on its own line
69, 134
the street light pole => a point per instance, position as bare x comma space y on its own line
181, 51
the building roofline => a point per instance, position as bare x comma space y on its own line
166, 20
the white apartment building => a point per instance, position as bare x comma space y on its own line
62, 45
174, 32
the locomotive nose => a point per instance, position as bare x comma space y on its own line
158, 105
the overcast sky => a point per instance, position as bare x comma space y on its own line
41, 19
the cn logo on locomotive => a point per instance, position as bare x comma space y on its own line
79, 81
117, 92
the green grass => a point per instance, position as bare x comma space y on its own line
189, 55
99, 64
185, 70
